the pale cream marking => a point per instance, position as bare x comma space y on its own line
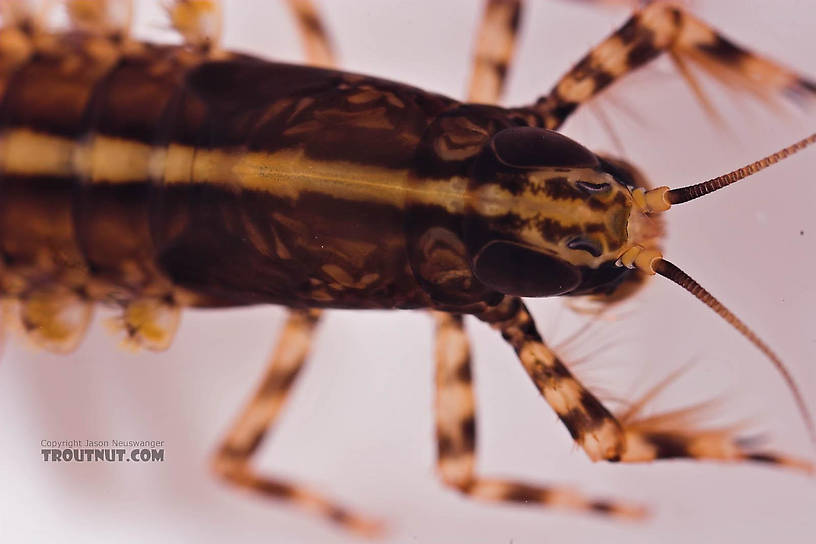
55, 319
604, 442
612, 55
456, 470
288, 173
451, 350
255, 419
113, 160
29, 153
494, 47
315, 43
659, 18
454, 403
536, 352
713, 445
178, 164
564, 396
637, 449
576, 90
153, 321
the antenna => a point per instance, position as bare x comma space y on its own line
668, 270
662, 198
651, 260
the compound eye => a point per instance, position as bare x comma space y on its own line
514, 269
586, 244
530, 147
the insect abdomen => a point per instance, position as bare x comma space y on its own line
296, 193
137, 173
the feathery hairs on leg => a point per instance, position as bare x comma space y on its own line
659, 28
595, 428
591, 425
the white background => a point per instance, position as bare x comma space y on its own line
359, 425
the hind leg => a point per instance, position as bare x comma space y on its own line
233, 458
660, 28
313, 35
495, 44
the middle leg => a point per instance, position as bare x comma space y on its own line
233, 459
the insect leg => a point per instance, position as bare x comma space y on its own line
316, 42
601, 434
105, 18
591, 425
148, 322
665, 28
54, 317
495, 44
456, 435
232, 460
198, 21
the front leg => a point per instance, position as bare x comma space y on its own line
660, 28
591, 425
602, 435
456, 430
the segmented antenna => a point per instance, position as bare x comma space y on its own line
684, 194
672, 272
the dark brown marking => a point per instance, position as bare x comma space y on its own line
312, 23
724, 50
574, 422
555, 231
446, 446
273, 488
468, 428
668, 446
602, 507
596, 411
602, 79
522, 493
464, 373
643, 52
630, 31
763, 458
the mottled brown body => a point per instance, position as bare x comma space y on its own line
105, 190
237, 181
154, 177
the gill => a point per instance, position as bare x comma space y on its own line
649, 260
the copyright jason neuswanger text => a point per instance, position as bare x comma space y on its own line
111, 451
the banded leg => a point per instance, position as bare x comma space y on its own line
316, 42
495, 44
666, 28
456, 435
232, 460
593, 427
